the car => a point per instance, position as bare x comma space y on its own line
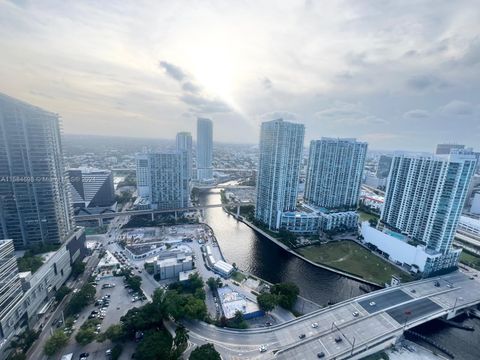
302, 336
338, 339
355, 313
315, 325
108, 352
436, 283
321, 355
372, 303
94, 312
84, 355
263, 348
92, 316
268, 323
413, 291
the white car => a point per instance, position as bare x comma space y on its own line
372, 303
263, 348
315, 325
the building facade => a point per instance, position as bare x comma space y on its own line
163, 179
10, 285
184, 143
334, 173
204, 150
424, 200
281, 147
383, 167
91, 188
35, 205
445, 149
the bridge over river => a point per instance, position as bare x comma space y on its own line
351, 329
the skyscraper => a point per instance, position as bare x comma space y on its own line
383, 167
10, 286
184, 143
35, 205
164, 179
281, 148
425, 197
204, 149
334, 173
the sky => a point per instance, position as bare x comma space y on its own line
398, 74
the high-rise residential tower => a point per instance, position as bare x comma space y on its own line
163, 179
204, 149
91, 188
10, 285
281, 148
425, 197
334, 173
35, 206
184, 143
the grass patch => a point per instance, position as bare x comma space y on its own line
366, 216
353, 258
470, 259
238, 276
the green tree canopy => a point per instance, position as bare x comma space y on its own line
267, 301
154, 346
205, 352
287, 294
62, 292
78, 268
57, 341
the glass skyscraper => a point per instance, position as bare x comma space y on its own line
35, 206
281, 149
204, 149
184, 143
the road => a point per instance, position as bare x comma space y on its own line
36, 351
382, 315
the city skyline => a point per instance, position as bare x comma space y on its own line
332, 67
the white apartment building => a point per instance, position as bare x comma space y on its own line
424, 200
281, 146
334, 173
162, 179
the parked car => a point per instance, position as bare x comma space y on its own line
321, 355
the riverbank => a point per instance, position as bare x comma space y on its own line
286, 248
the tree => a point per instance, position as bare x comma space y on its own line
114, 333
180, 341
57, 341
238, 321
287, 294
267, 301
205, 352
135, 282
24, 340
155, 345
212, 283
78, 267
85, 335
62, 292
373, 222
116, 351
84, 297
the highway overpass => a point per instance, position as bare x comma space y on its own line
111, 215
382, 318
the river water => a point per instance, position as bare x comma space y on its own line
259, 256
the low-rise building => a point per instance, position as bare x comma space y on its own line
231, 302
223, 268
469, 227
170, 268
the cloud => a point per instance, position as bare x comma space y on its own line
424, 82
416, 114
172, 70
273, 115
458, 108
343, 113
267, 83
191, 87
203, 105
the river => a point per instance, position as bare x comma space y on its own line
259, 256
